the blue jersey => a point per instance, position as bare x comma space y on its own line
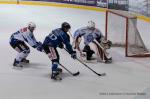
56, 38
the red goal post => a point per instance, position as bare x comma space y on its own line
121, 29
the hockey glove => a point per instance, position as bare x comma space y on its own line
74, 55
39, 46
61, 46
39, 43
107, 44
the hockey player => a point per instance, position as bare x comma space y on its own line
91, 34
17, 42
58, 38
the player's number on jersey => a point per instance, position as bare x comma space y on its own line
53, 37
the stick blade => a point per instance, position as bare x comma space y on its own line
76, 74
102, 74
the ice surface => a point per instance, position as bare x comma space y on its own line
126, 77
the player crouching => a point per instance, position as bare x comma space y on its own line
17, 42
94, 36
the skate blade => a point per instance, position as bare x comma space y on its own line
24, 63
17, 68
108, 62
56, 79
103, 74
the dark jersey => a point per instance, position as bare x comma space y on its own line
56, 38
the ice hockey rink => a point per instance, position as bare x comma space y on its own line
127, 78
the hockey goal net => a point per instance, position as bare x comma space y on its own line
121, 29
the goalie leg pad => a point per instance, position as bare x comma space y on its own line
103, 55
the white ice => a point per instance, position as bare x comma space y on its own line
126, 77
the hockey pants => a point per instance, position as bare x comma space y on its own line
22, 49
53, 56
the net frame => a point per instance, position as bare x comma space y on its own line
127, 17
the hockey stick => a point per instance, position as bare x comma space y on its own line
73, 74
102, 74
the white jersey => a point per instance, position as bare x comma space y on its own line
88, 34
26, 35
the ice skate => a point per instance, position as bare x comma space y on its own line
17, 64
56, 75
25, 61
108, 61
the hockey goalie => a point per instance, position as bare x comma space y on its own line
94, 43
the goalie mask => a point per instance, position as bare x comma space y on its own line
91, 25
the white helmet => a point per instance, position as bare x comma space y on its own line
31, 24
91, 24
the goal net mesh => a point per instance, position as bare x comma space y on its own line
121, 29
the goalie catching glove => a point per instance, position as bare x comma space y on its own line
106, 44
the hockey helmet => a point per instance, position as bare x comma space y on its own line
65, 25
32, 25
91, 24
